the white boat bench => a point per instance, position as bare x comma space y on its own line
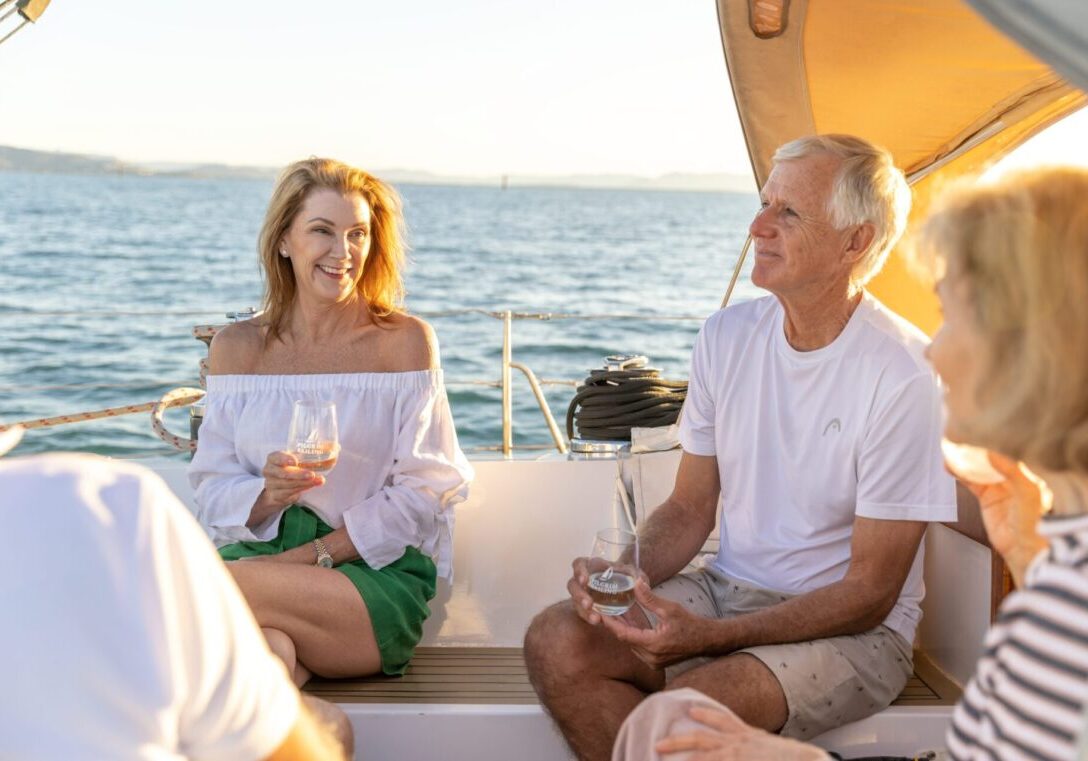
466, 696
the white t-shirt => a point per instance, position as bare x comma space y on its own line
125, 636
807, 441
399, 474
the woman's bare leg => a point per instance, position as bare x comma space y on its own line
320, 613
284, 648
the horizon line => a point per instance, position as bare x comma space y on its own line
524, 177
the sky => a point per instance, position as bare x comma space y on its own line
1061, 143
473, 87
477, 87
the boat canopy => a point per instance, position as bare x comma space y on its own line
29, 11
930, 80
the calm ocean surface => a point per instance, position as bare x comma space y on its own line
102, 279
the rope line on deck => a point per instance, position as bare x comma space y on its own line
191, 396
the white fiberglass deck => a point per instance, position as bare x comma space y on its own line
466, 695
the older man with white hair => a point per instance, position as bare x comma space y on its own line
812, 425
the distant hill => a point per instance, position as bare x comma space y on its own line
734, 183
214, 171
24, 160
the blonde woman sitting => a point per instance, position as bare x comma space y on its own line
342, 564
1012, 264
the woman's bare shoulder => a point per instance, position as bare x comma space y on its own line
411, 343
235, 348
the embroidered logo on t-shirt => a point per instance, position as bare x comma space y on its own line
833, 425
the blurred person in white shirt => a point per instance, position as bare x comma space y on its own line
126, 637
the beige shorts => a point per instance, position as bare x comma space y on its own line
827, 682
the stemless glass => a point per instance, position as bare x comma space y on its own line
312, 437
613, 569
970, 463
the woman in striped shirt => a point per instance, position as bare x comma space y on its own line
1012, 352
1012, 263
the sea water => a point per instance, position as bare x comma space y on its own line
103, 277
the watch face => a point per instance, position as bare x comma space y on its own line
325, 561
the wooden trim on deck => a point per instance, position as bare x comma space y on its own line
440, 675
928, 686
497, 675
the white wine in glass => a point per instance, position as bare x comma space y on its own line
613, 569
313, 438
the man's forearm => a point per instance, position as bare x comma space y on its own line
670, 538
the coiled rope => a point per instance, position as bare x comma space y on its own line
610, 402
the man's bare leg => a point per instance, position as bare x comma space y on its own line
745, 685
587, 679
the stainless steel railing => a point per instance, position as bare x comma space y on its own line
505, 382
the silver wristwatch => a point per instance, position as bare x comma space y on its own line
324, 559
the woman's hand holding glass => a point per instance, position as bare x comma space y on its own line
285, 480
1011, 509
313, 444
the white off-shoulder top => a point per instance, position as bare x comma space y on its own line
399, 473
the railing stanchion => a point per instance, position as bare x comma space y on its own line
545, 410
507, 389
736, 272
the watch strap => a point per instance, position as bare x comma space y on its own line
324, 557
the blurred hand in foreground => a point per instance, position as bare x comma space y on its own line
725, 737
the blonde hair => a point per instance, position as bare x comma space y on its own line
868, 188
1021, 248
381, 285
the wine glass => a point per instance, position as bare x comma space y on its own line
613, 569
970, 463
312, 437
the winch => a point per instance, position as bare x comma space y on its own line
626, 393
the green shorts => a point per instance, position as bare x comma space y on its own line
395, 596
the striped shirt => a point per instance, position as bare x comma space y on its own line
1027, 697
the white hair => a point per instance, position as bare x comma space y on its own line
869, 188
